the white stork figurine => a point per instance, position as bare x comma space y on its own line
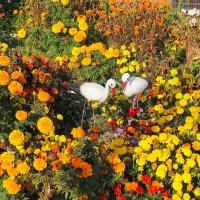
131, 86
93, 91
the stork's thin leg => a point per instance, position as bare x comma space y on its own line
137, 101
83, 112
93, 117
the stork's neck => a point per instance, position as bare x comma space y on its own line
105, 93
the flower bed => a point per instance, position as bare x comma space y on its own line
124, 151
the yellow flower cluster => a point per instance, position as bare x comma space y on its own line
16, 138
11, 186
59, 27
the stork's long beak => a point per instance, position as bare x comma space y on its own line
113, 91
123, 85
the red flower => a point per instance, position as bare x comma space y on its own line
133, 111
139, 190
122, 198
117, 189
103, 197
152, 189
164, 191
146, 179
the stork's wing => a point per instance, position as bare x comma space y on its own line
92, 91
137, 85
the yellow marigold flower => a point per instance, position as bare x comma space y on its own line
59, 117
177, 185
16, 137
4, 60
21, 115
173, 72
58, 27
15, 12
39, 164
62, 138
183, 102
86, 61
187, 178
43, 96
176, 197
81, 18
4, 78
21, 33
45, 125
73, 31
189, 119
78, 132
83, 26
54, 1
190, 163
15, 88
64, 2
11, 186
155, 129
197, 191
179, 110
178, 96
23, 168
186, 196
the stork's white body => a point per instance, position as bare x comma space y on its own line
133, 85
95, 91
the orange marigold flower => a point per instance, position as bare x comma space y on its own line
94, 136
131, 186
78, 132
96, 129
15, 88
83, 197
86, 170
21, 115
11, 186
39, 164
76, 162
65, 159
73, 31
119, 167
16, 75
4, 60
55, 148
86, 61
23, 168
11, 171
45, 125
80, 36
196, 145
16, 138
4, 78
43, 96
56, 166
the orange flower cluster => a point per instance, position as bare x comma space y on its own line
11, 186
39, 164
117, 165
4, 60
83, 169
4, 78
78, 132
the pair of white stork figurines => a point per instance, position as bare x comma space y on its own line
131, 86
